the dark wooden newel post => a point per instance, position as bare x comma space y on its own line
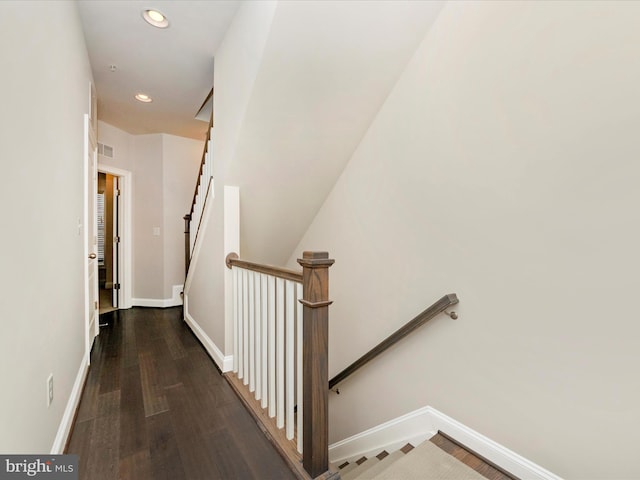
187, 242
315, 332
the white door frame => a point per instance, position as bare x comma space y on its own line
125, 181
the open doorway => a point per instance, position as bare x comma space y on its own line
108, 242
114, 234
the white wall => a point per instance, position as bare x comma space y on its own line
148, 207
164, 169
122, 143
46, 85
326, 69
236, 66
181, 159
503, 168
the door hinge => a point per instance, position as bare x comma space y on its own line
118, 192
116, 286
116, 239
96, 304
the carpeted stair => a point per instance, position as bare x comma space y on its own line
424, 462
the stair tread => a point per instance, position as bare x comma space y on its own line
425, 462
363, 467
380, 466
348, 468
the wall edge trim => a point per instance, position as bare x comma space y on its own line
420, 425
64, 429
225, 363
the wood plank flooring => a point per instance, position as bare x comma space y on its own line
155, 407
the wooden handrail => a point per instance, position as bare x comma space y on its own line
438, 307
313, 463
233, 260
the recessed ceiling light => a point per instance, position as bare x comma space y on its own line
144, 98
155, 18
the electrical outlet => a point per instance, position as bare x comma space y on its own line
49, 389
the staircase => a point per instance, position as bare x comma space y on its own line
204, 185
426, 461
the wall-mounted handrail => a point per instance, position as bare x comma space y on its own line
439, 307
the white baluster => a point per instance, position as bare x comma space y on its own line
240, 344
245, 328
271, 321
299, 372
252, 333
234, 273
290, 358
258, 328
280, 352
265, 335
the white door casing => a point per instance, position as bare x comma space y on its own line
116, 243
125, 185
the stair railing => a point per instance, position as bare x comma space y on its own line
280, 360
280, 354
438, 307
193, 219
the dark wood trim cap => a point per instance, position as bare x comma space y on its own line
315, 304
315, 260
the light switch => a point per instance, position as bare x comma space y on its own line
156, 231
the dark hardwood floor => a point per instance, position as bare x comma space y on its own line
155, 407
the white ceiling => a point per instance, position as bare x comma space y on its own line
174, 65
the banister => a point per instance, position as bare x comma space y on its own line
233, 260
435, 309
188, 231
315, 364
204, 154
304, 313
187, 243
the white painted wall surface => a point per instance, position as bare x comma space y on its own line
122, 143
41, 150
326, 69
164, 170
180, 164
148, 205
503, 168
237, 63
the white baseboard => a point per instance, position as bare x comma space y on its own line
70, 410
150, 302
414, 427
225, 363
422, 424
487, 448
174, 301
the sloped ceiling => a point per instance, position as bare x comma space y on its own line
326, 71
